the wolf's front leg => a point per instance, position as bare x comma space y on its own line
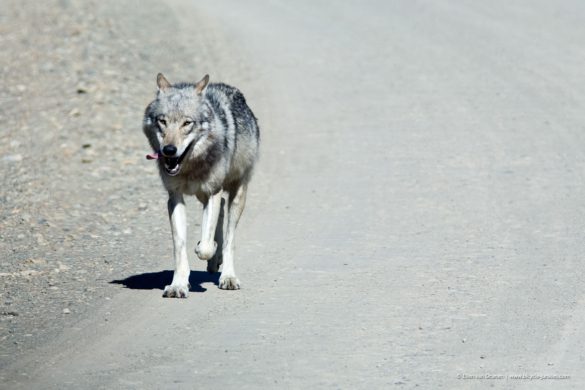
179, 288
207, 246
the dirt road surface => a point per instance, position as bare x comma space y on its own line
416, 219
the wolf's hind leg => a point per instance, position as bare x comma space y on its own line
179, 287
206, 248
215, 262
236, 202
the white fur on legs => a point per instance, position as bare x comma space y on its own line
206, 248
237, 200
179, 287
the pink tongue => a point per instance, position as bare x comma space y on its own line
152, 156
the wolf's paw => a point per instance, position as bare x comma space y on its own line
176, 291
229, 283
205, 250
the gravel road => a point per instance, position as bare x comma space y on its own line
415, 221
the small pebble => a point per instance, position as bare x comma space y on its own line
12, 158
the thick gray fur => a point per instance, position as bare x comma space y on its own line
206, 139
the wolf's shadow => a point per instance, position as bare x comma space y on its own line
158, 280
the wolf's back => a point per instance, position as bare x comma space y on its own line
240, 127
230, 105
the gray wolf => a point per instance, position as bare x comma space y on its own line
205, 139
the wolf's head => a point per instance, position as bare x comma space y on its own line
176, 121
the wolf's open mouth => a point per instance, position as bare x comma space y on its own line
173, 164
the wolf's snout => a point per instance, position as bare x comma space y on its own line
169, 150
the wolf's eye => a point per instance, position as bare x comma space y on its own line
187, 123
162, 122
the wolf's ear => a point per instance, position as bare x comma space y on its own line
200, 86
162, 82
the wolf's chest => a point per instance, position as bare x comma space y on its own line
194, 181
